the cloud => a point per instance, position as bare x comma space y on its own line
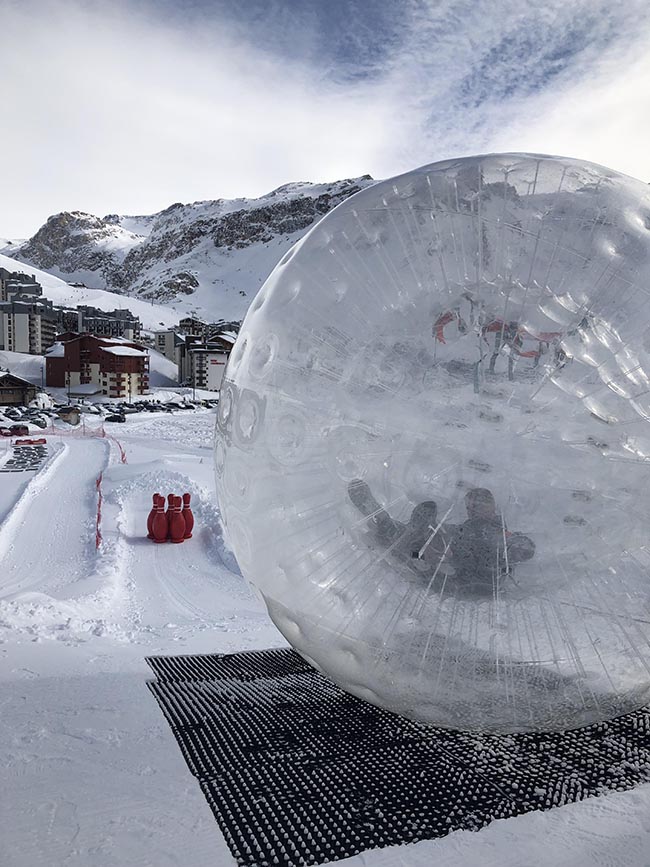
490, 74
129, 107
116, 112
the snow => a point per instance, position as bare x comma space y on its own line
55, 351
610, 831
95, 775
92, 774
6, 244
4, 373
137, 225
162, 371
125, 350
227, 336
29, 367
85, 388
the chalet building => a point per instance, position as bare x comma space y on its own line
14, 390
205, 330
224, 340
119, 367
27, 326
193, 326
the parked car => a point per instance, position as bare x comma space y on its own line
116, 418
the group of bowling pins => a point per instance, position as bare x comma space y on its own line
173, 525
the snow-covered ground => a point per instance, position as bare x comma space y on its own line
91, 773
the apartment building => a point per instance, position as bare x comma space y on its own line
168, 343
201, 363
102, 323
27, 326
15, 285
206, 366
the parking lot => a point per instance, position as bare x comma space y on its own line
25, 421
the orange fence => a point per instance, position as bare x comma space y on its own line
82, 431
120, 447
98, 522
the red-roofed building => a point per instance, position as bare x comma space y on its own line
119, 367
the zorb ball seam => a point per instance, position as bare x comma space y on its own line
432, 444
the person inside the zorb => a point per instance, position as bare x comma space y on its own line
473, 557
483, 550
421, 539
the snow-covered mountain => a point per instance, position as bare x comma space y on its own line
78, 247
212, 255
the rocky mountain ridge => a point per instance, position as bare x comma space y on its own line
218, 252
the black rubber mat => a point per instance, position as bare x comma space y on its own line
24, 459
299, 772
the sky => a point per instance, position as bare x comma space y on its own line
129, 106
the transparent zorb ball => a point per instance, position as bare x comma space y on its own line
433, 444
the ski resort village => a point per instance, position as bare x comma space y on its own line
324, 426
113, 553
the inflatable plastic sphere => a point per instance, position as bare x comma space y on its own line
433, 444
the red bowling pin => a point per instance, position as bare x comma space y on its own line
160, 525
152, 515
189, 517
170, 509
176, 522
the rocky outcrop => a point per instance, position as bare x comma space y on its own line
74, 243
260, 225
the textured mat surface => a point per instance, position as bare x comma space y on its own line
298, 772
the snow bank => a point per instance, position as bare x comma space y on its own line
38, 483
162, 371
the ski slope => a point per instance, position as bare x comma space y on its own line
91, 773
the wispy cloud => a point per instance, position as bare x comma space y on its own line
130, 106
